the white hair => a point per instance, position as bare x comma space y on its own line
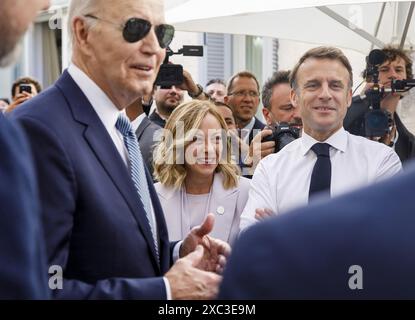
79, 8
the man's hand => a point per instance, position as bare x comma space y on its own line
187, 282
389, 100
20, 98
258, 149
215, 251
190, 86
261, 214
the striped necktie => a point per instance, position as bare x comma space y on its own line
137, 171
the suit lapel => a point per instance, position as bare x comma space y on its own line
103, 147
143, 125
223, 206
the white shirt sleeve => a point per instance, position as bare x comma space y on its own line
389, 166
261, 195
168, 288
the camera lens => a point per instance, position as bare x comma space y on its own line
376, 123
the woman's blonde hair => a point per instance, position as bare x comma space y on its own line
169, 168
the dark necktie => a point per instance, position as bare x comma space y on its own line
321, 175
137, 171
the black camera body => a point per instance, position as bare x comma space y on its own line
282, 134
172, 74
377, 121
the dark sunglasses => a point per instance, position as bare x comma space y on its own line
136, 29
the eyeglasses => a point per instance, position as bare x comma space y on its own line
136, 29
252, 94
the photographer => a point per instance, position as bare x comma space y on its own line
397, 66
326, 160
276, 100
283, 121
23, 89
168, 99
281, 116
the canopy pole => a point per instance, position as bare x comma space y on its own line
382, 11
407, 23
334, 15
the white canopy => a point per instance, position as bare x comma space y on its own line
355, 25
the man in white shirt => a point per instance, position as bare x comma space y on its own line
326, 160
103, 223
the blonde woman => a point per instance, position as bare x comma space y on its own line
195, 174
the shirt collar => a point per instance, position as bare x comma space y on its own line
250, 125
137, 121
338, 140
107, 112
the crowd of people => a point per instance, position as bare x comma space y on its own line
136, 194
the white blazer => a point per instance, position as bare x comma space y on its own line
227, 205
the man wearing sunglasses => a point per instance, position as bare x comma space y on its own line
103, 222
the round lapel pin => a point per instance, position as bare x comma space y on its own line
220, 210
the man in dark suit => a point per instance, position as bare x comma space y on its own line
23, 271
103, 222
243, 97
147, 135
147, 132
398, 65
357, 246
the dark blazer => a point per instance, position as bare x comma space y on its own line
146, 138
94, 222
307, 253
258, 125
354, 123
23, 269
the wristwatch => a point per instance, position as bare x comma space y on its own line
198, 93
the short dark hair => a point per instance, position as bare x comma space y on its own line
242, 74
322, 52
278, 77
26, 80
392, 53
217, 80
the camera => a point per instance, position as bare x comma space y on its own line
379, 122
25, 88
172, 74
282, 134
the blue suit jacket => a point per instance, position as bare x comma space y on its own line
23, 272
94, 222
306, 254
